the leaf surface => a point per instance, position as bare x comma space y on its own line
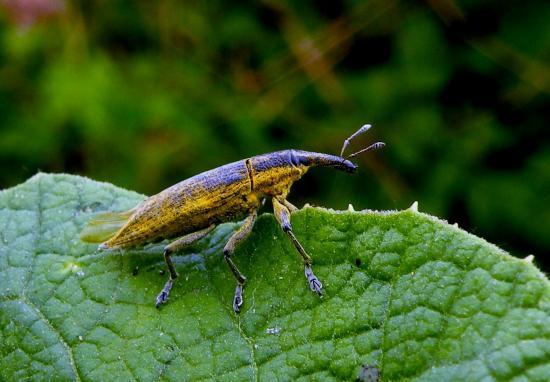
407, 296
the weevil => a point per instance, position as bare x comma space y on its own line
189, 210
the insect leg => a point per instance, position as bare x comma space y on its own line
169, 250
291, 207
228, 250
283, 217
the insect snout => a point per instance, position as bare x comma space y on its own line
349, 166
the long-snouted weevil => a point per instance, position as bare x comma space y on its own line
189, 210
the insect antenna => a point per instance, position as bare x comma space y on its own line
361, 130
374, 146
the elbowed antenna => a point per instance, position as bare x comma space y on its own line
362, 129
374, 146
297, 157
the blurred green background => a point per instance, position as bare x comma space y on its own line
143, 94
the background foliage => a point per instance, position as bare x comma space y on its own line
144, 94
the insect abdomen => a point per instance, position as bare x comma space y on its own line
214, 196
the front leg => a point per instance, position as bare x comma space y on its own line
282, 214
291, 207
175, 246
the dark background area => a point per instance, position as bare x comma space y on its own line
145, 94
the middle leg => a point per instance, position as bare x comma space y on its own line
228, 250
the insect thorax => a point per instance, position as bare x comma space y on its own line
273, 174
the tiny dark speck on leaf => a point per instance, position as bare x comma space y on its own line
358, 262
135, 271
368, 374
161, 272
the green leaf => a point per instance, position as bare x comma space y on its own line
406, 296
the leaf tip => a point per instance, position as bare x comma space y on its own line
414, 207
350, 208
529, 259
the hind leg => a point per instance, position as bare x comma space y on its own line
175, 246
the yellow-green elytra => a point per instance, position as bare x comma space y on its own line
192, 208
